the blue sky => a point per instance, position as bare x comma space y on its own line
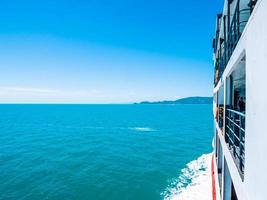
105, 51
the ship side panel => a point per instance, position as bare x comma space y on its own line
256, 104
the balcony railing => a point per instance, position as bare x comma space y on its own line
231, 37
235, 137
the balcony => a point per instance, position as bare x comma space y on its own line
226, 39
235, 137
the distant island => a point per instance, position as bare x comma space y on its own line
188, 100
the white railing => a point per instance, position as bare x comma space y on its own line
235, 137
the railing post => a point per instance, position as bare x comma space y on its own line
233, 136
240, 145
225, 41
238, 18
227, 129
228, 26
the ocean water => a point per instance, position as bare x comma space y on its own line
97, 152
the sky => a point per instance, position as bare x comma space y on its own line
105, 51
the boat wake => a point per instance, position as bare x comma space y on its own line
194, 183
142, 129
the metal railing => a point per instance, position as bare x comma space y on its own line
239, 21
232, 35
235, 137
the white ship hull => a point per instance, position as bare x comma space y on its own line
240, 102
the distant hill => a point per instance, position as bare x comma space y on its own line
188, 100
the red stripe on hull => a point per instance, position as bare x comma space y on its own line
213, 179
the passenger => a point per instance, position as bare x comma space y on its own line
241, 104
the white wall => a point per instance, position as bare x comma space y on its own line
256, 114
253, 45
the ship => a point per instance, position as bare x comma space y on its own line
240, 101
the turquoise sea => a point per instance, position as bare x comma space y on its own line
84, 152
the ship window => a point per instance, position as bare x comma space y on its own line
238, 88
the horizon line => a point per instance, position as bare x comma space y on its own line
114, 103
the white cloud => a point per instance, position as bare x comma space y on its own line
12, 94
26, 90
43, 95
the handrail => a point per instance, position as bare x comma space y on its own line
236, 124
236, 112
235, 137
239, 19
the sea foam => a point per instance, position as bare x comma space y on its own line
194, 183
142, 129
